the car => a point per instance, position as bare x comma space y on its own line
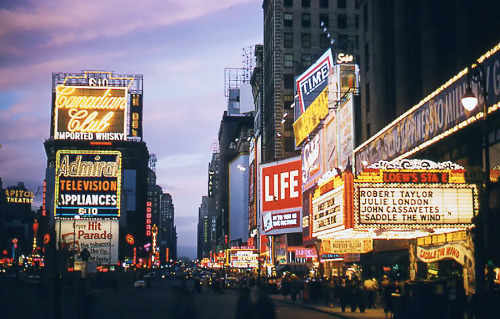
140, 283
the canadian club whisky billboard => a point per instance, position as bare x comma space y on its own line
88, 183
96, 106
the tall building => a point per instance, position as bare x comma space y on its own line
294, 37
213, 194
110, 203
411, 48
167, 229
203, 248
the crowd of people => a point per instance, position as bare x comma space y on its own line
349, 293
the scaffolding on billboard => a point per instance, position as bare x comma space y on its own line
234, 77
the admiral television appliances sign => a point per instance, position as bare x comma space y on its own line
88, 183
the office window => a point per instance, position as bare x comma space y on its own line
342, 4
288, 101
367, 57
343, 38
306, 20
306, 40
306, 3
288, 60
324, 41
288, 3
306, 60
323, 3
288, 81
368, 129
289, 144
288, 19
365, 17
356, 18
342, 21
367, 97
325, 19
288, 40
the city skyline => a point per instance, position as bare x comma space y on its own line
178, 47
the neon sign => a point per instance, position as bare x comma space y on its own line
88, 183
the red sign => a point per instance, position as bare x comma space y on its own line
415, 177
281, 185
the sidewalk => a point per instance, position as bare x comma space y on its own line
336, 311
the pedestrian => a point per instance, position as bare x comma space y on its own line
285, 287
370, 287
294, 288
244, 306
331, 292
353, 300
361, 297
386, 288
344, 294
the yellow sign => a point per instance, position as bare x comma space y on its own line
347, 246
310, 119
90, 113
19, 196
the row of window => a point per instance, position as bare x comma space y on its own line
323, 21
324, 41
341, 4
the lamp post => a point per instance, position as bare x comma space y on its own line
469, 102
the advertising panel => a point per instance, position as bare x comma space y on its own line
457, 252
281, 222
99, 237
87, 183
281, 185
311, 161
415, 205
96, 106
242, 258
19, 196
329, 145
90, 113
347, 246
328, 212
433, 118
311, 118
314, 80
412, 193
136, 116
346, 131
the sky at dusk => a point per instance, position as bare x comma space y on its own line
181, 48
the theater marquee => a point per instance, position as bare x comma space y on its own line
88, 183
413, 197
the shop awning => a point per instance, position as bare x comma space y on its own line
293, 268
386, 258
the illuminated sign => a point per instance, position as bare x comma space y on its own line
435, 117
88, 183
345, 116
242, 258
344, 58
409, 198
281, 185
99, 237
329, 144
211, 176
328, 212
314, 80
96, 106
19, 196
310, 119
90, 113
280, 222
136, 115
149, 216
449, 251
312, 161
347, 246
304, 252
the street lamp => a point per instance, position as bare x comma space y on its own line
469, 102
